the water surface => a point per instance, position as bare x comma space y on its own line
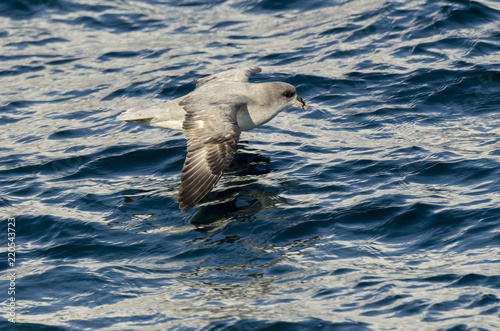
375, 209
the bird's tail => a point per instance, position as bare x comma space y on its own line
168, 115
138, 115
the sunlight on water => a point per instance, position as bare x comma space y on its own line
375, 208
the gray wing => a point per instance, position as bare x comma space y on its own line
212, 132
235, 75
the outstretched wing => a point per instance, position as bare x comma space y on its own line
235, 75
212, 132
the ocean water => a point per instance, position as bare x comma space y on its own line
378, 208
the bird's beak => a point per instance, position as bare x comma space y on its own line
300, 103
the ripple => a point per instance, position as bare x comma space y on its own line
378, 205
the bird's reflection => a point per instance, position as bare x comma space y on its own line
240, 195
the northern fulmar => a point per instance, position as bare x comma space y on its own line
212, 118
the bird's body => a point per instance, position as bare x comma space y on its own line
212, 118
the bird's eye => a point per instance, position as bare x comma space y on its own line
288, 94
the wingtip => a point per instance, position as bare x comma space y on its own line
184, 203
184, 207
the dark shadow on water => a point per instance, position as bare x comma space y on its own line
248, 162
239, 196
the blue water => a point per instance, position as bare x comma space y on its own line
378, 208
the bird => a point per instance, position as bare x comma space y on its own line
212, 118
